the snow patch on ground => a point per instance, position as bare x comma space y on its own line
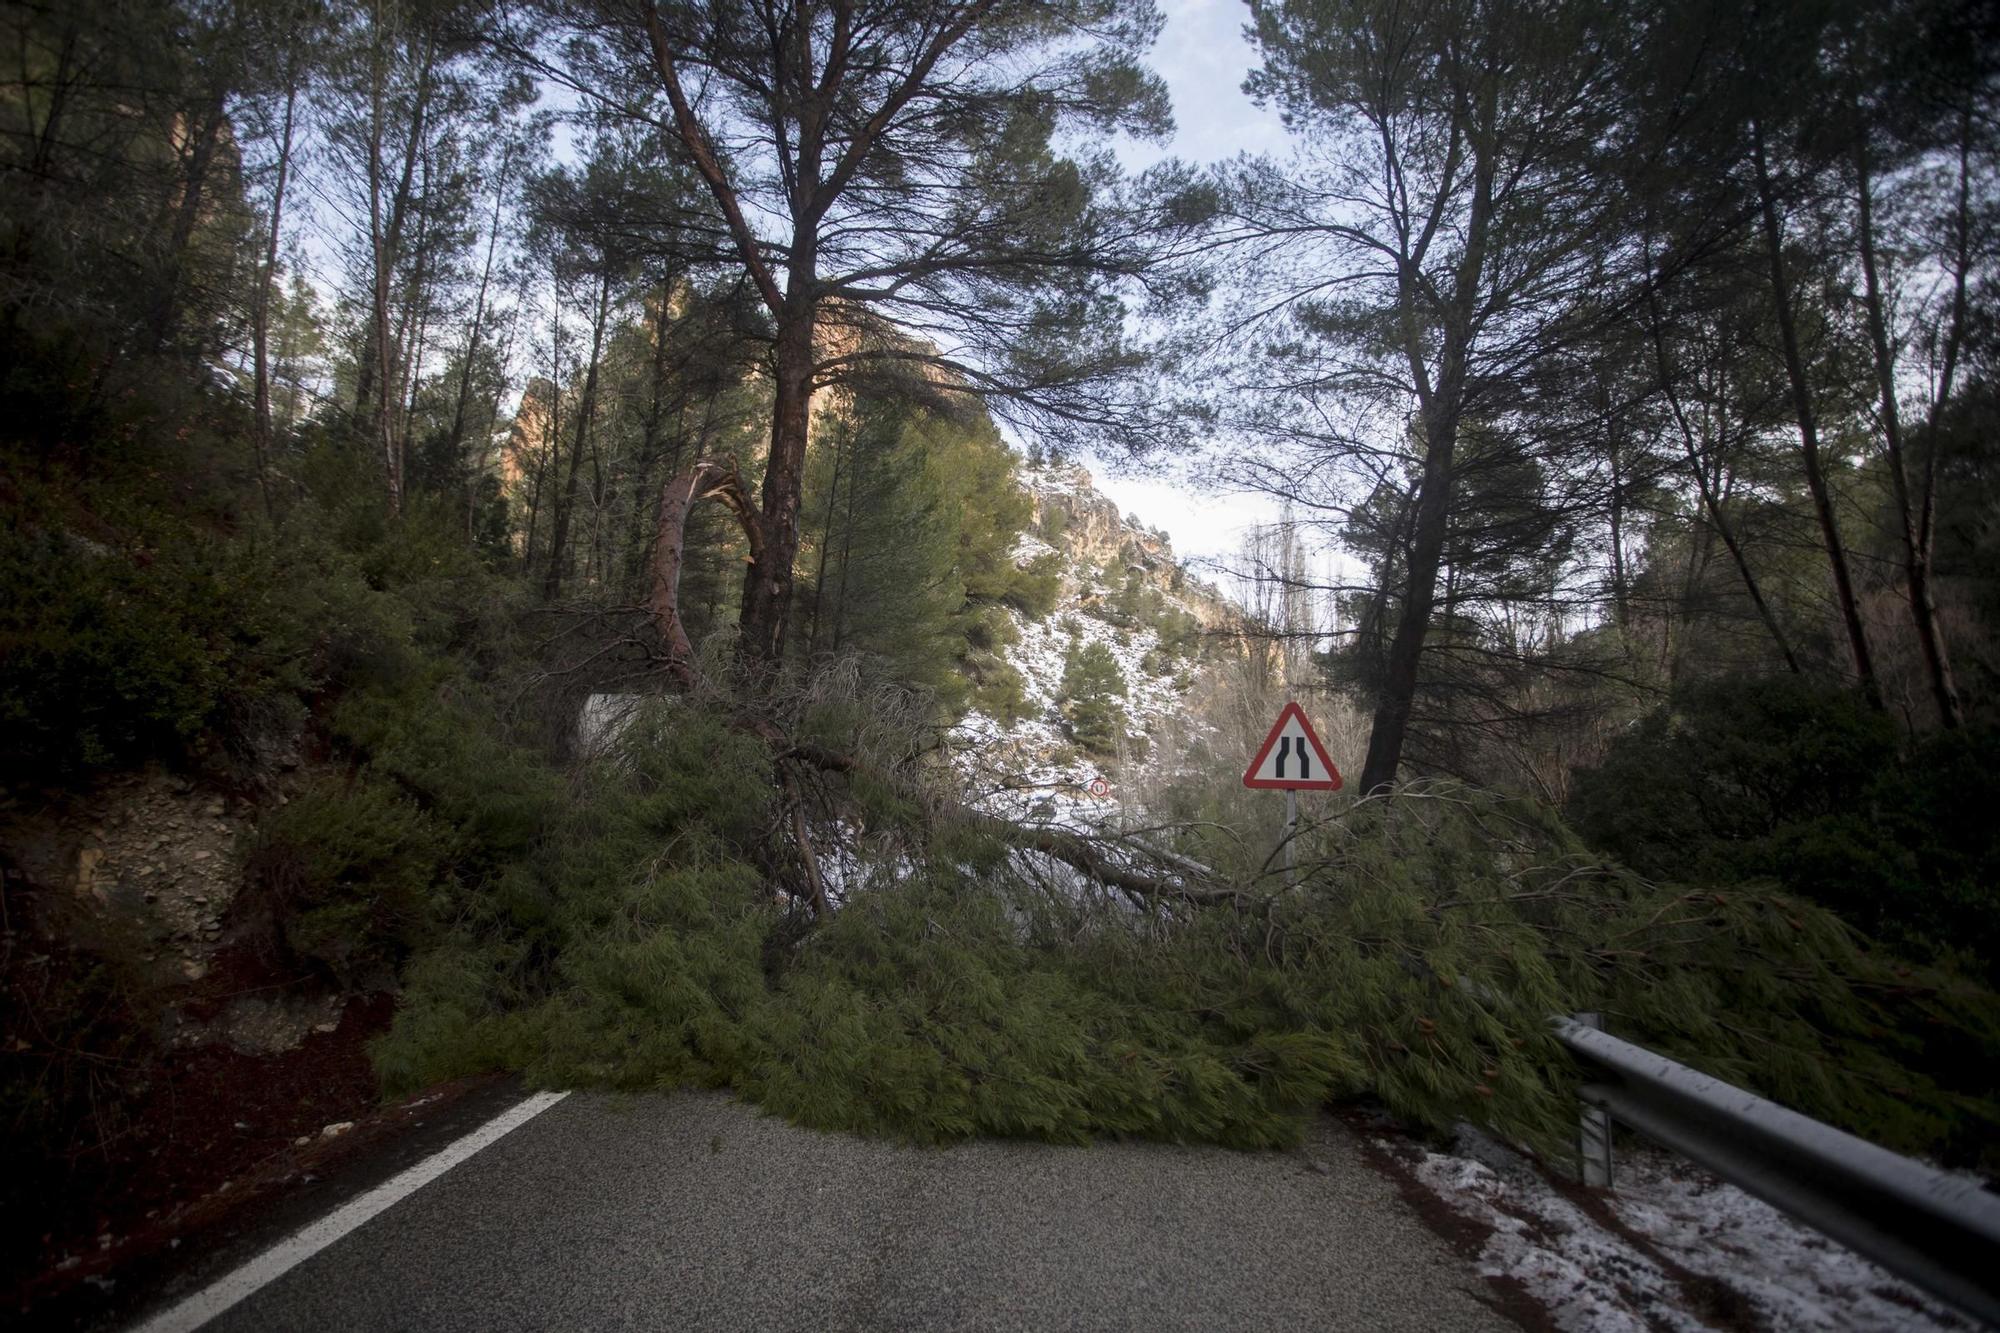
1030, 548
1798, 1277
1031, 770
1592, 1278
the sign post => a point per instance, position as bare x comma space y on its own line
1291, 827
1292, 759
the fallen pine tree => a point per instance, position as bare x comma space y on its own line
1124, 864
992, 977
667, 916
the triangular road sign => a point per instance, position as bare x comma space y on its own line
1291, 756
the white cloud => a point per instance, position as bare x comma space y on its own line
1204, 58
1205, 524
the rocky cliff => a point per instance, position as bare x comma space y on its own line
1085, 526
1124, 594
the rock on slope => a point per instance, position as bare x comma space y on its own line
1031, 765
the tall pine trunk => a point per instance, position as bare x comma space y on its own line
767, 584
412, 330
1916, 549
1427, 538
1698, 469
385, 233
260, 313
566, 501
205, 138
1442, 404
458, 412
553, 435
1802, 407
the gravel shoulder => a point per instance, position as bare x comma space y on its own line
695, 1211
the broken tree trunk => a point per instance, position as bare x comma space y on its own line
708, 479
712, 479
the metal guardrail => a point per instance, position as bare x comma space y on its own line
1938, 1230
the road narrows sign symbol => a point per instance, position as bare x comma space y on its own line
1292, 757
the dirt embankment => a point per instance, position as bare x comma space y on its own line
156, 1052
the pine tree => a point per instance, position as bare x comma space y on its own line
1092, 688
893, 181
912, 517
1444, 287
886, 579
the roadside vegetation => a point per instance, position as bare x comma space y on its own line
964, 989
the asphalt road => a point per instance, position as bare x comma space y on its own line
691, 1211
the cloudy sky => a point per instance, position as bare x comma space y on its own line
1203, 57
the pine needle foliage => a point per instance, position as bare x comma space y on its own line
967, 988
1515, 919
1092, 687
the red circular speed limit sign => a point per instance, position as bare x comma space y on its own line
1099, 787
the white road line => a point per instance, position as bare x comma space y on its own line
294, 1250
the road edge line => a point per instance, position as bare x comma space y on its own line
244, 1281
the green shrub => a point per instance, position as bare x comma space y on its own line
1092, 686
1137, 602
1032, 589
79, 1018
1740, 778
98, 667
989, 628
347, 877
1179, 631
998, 689
179, 643
1054, 523
443, 740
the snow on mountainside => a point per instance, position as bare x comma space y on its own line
1034, 767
